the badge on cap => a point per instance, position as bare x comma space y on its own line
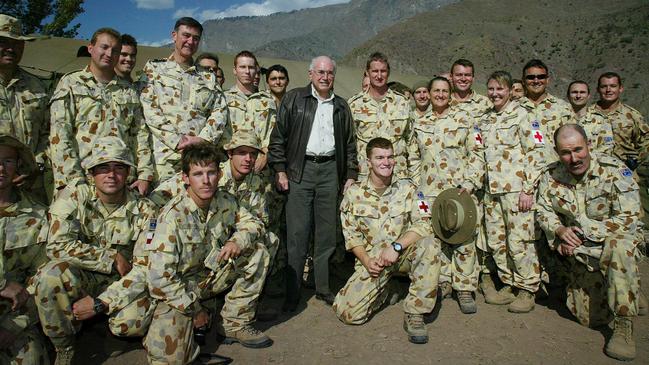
626, 172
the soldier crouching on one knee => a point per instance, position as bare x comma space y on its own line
589, 209
383, 225
23, 233
93, 230
205, 244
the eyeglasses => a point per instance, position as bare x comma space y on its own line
322, 73
536, 77
7, 162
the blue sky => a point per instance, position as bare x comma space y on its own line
151, 21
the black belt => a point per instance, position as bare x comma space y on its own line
320, 159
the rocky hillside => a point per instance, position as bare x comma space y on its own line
303, 34
577, 39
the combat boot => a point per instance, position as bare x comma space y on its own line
621, 345
248, 336
415, 328
466, 302
643, 306
501, 297
64, 356
446, 289
524, 302
487, 287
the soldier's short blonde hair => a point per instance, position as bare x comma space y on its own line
110, 31
502, 77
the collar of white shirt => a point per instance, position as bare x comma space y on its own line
320, 99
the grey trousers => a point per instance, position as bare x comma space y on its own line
311, 211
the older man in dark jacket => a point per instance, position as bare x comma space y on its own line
313, 152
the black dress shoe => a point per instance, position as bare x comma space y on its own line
326, 297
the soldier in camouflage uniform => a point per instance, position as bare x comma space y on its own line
23, 98
23, 234
445, 141
93, 230
204, 243
182, 104
381, 112
245, 70
597, 127
384, 224
421, 95
92, 103
548, 110
589, 209
512, 152
464, 97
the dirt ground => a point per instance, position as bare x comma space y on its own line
313, 335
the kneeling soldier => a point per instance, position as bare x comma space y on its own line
382, 224
23, 233
93, 230
589, 209
204, 244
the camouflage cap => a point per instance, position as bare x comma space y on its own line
28, 163
11, 27
454, 216
419, 84
240, 138
109, 149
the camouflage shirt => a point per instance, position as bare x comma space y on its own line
84, 233
476, 105
630, 131
187, 242
179, 102
598, 130
23, 234
84, 109
370, 219
261, 113
237, 100
445, 145
551, 113
388, 118
24, 112
511, 151
604, 202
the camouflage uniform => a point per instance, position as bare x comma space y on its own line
83, 110
551, 113
237, 100
24, 113
476, 105
445, 145
388, 118
183, 272
599, 131
604, 204
179, 102
261, 113
375, 221
84, 239
513, 158
23, 233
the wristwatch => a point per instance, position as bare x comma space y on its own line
397, 247
99, 306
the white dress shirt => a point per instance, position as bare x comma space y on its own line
321, 140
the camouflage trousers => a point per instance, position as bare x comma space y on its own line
363, 295
57, 285
459, 266
594, 298
29, 344
170, 339
510, 239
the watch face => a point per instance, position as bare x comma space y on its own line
397, 247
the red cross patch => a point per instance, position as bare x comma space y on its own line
538, 137
423, 206
478, 138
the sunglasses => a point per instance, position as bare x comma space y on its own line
536, 77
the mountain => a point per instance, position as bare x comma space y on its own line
303, 34
576, 39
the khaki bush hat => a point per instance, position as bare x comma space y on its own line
11, 27
28, 163
109, 149
419, 84
248, 139
454, 217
